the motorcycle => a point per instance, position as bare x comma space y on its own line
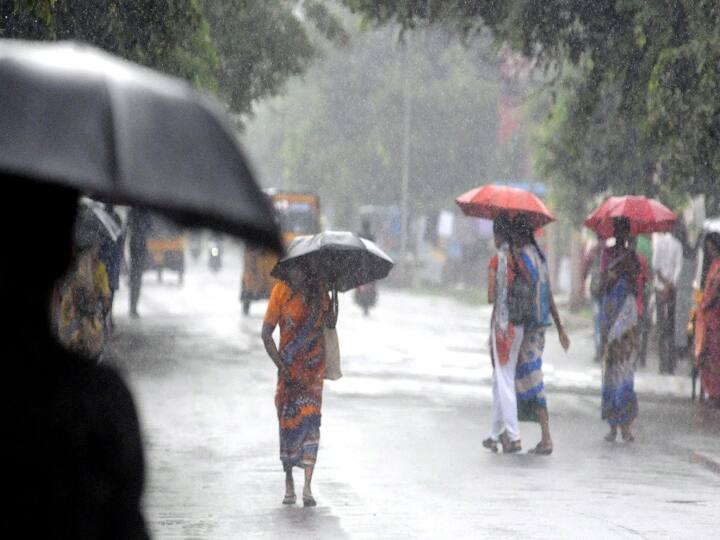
366, 296
215, 256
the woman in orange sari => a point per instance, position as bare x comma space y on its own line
302, 308
707, 336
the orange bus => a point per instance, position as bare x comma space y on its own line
297, 214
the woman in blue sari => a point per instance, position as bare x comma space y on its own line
529, 384
619, 322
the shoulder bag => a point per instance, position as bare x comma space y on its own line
332, 348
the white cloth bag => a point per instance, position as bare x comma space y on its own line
332, 354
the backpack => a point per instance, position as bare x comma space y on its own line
521, 298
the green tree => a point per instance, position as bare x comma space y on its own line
638, 72
169, 35
683, 107
262, 43
244, 49
339, 130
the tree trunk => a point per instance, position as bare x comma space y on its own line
577, 299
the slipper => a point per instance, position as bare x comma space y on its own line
309, 501
289, 499
490, 444
513, 447
541, 450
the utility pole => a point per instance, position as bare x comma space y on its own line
405, 163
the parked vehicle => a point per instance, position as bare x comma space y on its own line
194, 241
215, 255
166, 248
297, 214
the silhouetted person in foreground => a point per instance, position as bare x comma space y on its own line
74, 453
138, 228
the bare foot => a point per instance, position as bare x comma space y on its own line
308, 499
627, 435
290, 497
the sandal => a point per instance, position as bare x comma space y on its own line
628, 437
611, 436
289, 499
490, 444
513, 447
541, 450
309, 501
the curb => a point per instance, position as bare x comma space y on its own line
709, 463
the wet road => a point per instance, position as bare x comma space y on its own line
400, 453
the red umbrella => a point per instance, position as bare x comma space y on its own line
490, 201
645, 215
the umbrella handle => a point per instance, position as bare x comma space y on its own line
335, 302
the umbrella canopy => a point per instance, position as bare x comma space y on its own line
491, 200
645, 215
342, 259
79, 117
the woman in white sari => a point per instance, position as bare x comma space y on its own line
505, 341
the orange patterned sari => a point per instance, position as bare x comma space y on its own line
302, 349
707, 333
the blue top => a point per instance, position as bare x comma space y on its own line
538, 269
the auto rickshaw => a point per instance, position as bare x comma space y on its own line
297, 214
166, 248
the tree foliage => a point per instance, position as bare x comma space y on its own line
244, 49
633, 84
339, 131
263, 43
170, 35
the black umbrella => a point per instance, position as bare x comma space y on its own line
342, 259
73, 115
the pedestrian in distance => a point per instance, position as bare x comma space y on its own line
642, 286
707, 332
139, 223
366, 295
591, 268
667, 261
529, 383
505, 341
112, 253
302, 308
620, 268
83, 296
72, 447
643, 248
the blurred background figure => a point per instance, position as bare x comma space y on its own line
591, 268
75, 460
365, 295
667, 262
707, 333
643, 281
111, 254
620, 268
82, 303
138, 227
